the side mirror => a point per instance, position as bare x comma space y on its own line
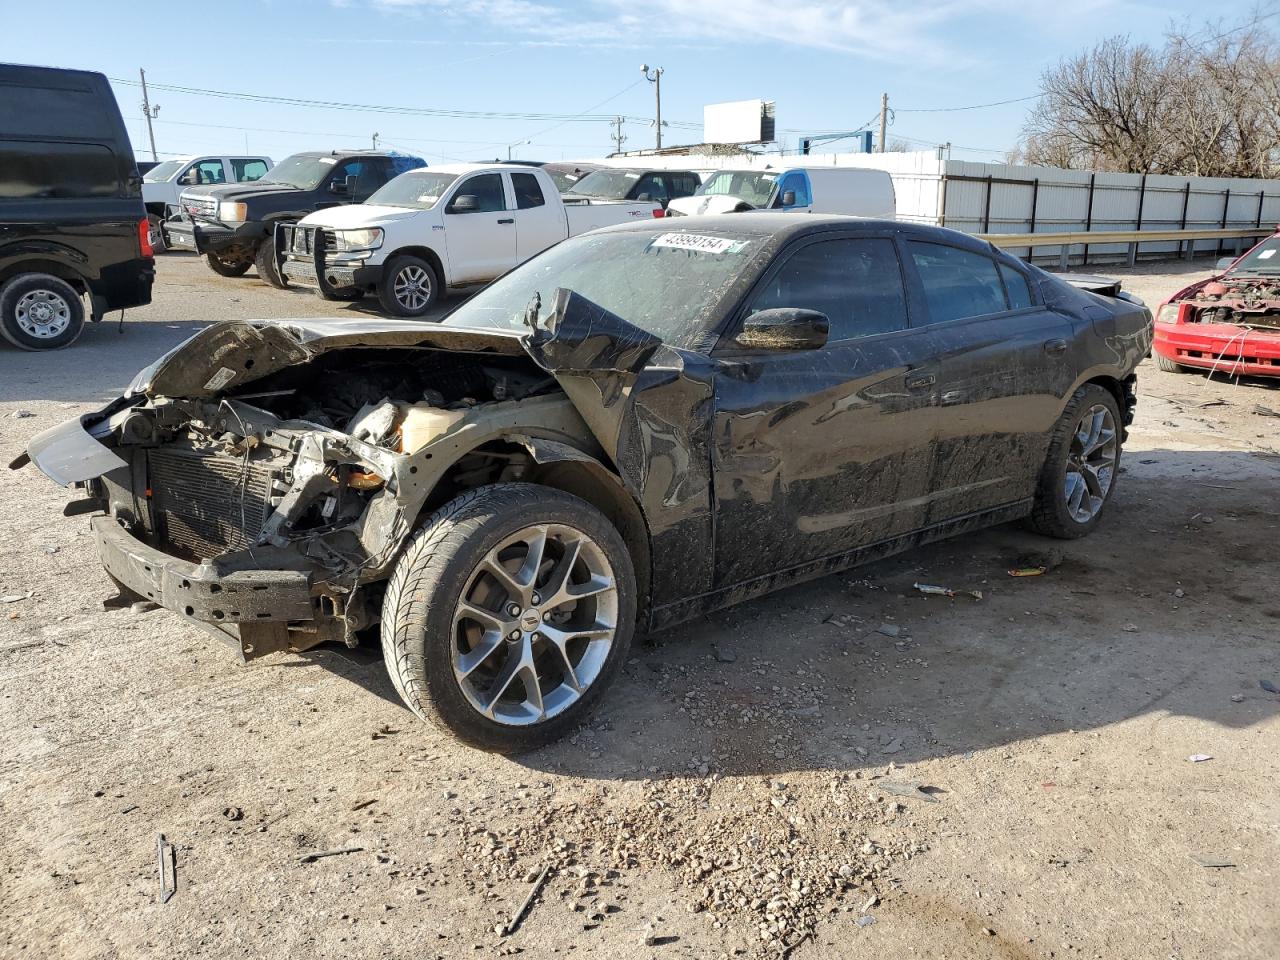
467, 203
1224, 264
784, 328
789, 198
341, 187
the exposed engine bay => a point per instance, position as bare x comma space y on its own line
1243, 301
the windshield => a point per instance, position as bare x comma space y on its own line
163, 171
667, 284
305, 173
421, 191
606, 184
565, 177
1262, 259
754, 187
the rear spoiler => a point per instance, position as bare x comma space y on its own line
1100, 285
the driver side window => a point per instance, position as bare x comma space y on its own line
487, 189
798, 183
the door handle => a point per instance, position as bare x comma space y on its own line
512, 220
1055, 348
920, 381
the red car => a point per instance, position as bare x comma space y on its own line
1230, 322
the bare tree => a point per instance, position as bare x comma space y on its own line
1207, 104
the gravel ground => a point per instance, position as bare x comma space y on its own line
844, 769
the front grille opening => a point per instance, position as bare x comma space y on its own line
207, 504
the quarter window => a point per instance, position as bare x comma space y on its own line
1016, 286
857, 283
247, 171
31, 170
528, 191
957, 283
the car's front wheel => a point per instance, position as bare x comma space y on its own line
1079, 473
1167, 365
226, 265
409, 286
508, 615
264, 258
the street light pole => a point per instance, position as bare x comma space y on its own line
656, 80
150, 113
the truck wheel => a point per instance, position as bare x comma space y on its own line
155, 226
40, 312
508, 615
264, 258
226, 266
1167, 365
409, 286
1079, 473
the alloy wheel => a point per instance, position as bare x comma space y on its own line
535, 624
413, 287
1091, 463
43, 314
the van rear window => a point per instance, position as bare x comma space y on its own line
32, 170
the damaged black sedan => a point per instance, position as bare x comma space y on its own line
638, 426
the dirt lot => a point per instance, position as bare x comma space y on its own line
735, 793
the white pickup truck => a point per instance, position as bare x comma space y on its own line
164, 183
852, 191
438, 228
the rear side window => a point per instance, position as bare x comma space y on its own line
683, 185
528, 191
247, 171
957, 283
857, 283
1016, 286
35, 170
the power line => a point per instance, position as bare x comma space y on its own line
973, 106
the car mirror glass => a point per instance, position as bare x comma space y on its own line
467, 203
789, 198
784, 328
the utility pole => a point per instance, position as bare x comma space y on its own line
884, 117
656, 80
617, 136
375, 140
149, 113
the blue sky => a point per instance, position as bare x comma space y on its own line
824, 62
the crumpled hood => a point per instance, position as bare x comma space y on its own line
228, 355
696, 205
356, 215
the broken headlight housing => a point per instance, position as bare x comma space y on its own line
347, 241
1168, 313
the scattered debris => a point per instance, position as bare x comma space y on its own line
1262, 411
724, 654
870, 903
988, 931
1213, 862
143, 606
893, 746
538, 883
233, 813
866, 920
904, 788
1028, 571
889, 630
1130, 628
1179, 593
21, 414
15, 597
648, 936
1198, 758
1237, 698
936, 591
361, 804
168, 862
320, 854
1268, 686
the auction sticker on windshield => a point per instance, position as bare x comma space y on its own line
700, 244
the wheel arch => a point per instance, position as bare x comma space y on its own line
54, 268
551, 463
1121, 386
427, 254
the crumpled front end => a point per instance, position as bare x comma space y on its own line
1228, 324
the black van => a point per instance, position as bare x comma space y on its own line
72, 222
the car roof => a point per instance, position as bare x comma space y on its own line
497, 166
786, 226
348, 153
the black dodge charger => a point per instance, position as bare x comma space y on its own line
639, 425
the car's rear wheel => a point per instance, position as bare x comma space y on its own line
508, 615
1167, 365
227, 265
409, 286
1079, 473
39, 311
264, 258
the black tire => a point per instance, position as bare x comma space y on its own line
1167, 365
345, 294
225, 267
423, 282
264, 258
1053, 515
420, 636
39, 311
155, 226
